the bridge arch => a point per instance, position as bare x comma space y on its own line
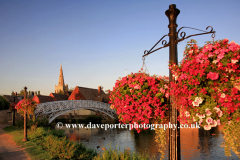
52, 110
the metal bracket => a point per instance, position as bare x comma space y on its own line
180, 37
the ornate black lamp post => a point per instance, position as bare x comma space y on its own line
172, 13
174, 135
25, 116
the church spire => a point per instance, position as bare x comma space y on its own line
61, 79
61, 87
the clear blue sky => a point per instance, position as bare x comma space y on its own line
96, 40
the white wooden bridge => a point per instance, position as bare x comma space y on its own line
52, 110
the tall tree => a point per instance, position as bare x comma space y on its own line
71, 89
21, 92
4, 104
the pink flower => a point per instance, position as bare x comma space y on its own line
215, 61
223, 95
218, 122
167, 95
194, 119
214, 123
195, 103
137, 86
220, 56
200, 121
210, 54
201, 116
187, 114
217, 109
207, 127
212, 75
162, 90
199, 100
209, 120
234, 61
229, 122
225, 40
208, 112
166, 86
183, 76
220, 113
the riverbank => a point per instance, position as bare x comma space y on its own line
45, 143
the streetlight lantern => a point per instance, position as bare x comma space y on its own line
25, 116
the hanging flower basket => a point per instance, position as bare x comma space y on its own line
140, 98
12, 106
205, 88
26, 105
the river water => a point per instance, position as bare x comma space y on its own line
196, 144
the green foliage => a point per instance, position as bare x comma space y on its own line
59, 133
60, 92
4, 104
160, 138
59, 147
114, 154
231, 132
21, 92
40, 123
71, 89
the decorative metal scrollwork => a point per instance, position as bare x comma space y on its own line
182, 35
164, 43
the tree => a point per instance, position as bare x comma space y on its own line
4, 104
71, 89
60, 92
21, 92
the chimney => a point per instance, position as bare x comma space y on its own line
99, 91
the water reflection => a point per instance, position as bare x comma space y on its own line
196, 144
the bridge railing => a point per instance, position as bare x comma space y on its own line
56, 108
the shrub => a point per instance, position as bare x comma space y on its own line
115, 154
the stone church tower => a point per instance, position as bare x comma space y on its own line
61, 87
